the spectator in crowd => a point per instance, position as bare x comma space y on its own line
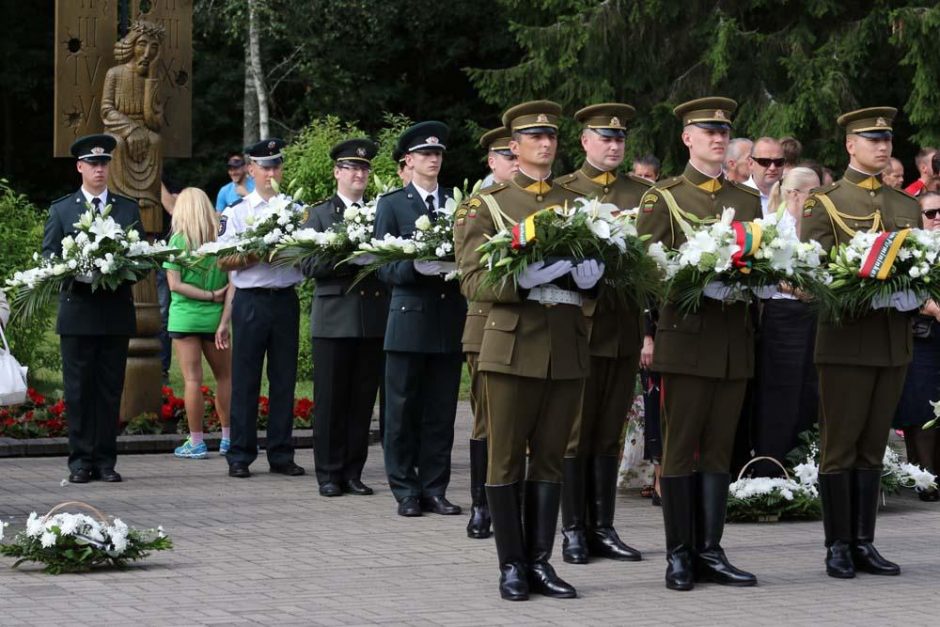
788, 195
922, 384
928, 181
893, 175
200, 311
792, 151
827, 177
240, 186
652, 428
765, 164
735, 165
816, 167
4, 310
647, 167
404, 171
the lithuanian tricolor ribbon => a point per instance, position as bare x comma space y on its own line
881, 256
524, 232
747, 236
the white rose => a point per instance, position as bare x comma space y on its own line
423, 223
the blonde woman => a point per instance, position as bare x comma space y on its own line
200, 311
789, 193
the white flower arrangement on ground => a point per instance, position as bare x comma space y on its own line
731, 260
753, 499
74, 543
338, 242
102, 254
896, 475
880, 270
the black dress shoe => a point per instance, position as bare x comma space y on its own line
543, 580
330, 488
409, 506
439, 505
110, 475
82, 475
290, 469
839, 560
239, 471
355, 486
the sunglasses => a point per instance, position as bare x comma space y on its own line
931, 214
766, 162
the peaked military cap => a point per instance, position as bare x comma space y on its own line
713, 112
93, 148
536, 116
267, 152
354, 150
873, 123
497, 140
608, 119
424, 136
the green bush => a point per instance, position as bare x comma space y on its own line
21, 228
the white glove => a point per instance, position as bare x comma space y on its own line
881, 302
538, 274
363, 259
587, 273
765, 292
429, 267
718, 290
906, 300
448, 266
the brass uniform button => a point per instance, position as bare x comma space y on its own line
539, 198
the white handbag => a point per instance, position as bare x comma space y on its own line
12, 376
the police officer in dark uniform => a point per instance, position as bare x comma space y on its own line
533, 358
347, 324
862, 363
593, 456
94, 327
503, 166
705, 357
422, 339
265, 322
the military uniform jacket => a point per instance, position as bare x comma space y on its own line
882, 337
81, 311
717, 341
340, 310
616, 327
521, 337
426, 314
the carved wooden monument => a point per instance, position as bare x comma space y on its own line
123, 67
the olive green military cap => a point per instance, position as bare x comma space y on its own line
713, 112
608, 118
873, 123
536, 116
497, 140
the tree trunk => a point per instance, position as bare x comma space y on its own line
250, 128
254, 53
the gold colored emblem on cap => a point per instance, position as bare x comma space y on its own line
615, 121
881, 122
541, 118
97, 150
432, 140
361, 151
271, 145
720, 115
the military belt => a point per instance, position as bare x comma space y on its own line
550, 295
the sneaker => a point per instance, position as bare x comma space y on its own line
224, 445
190, 451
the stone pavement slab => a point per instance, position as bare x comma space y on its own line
270, 550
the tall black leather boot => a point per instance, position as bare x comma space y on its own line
573, 507
835, 492
866, 487
602, 538
678, 496
479, 524
510, 545
541, 522
710, 560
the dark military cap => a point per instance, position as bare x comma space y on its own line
267, 152
706, 112
497, 140
354, 150
93, 148
873, 123
424, 136
398, 156
536, 116
608, 119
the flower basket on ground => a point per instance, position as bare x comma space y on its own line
769, 499
76, 543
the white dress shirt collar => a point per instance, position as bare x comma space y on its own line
89, 196
423, 193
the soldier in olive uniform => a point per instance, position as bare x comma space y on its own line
705, 357
587, 503
422, 339
533, 359
503, 166
862, 362
94, 327
347, 324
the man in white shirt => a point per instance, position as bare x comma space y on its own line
766, 167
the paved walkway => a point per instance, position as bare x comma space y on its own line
270, 550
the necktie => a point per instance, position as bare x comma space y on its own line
430, 201
356, 205
97, 203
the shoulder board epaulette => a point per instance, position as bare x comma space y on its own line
322, 201
640, 180
902, 191
495, 187
58, 200
825, 189
667, 183
745, 188
397, 190
118, 196
567, 178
